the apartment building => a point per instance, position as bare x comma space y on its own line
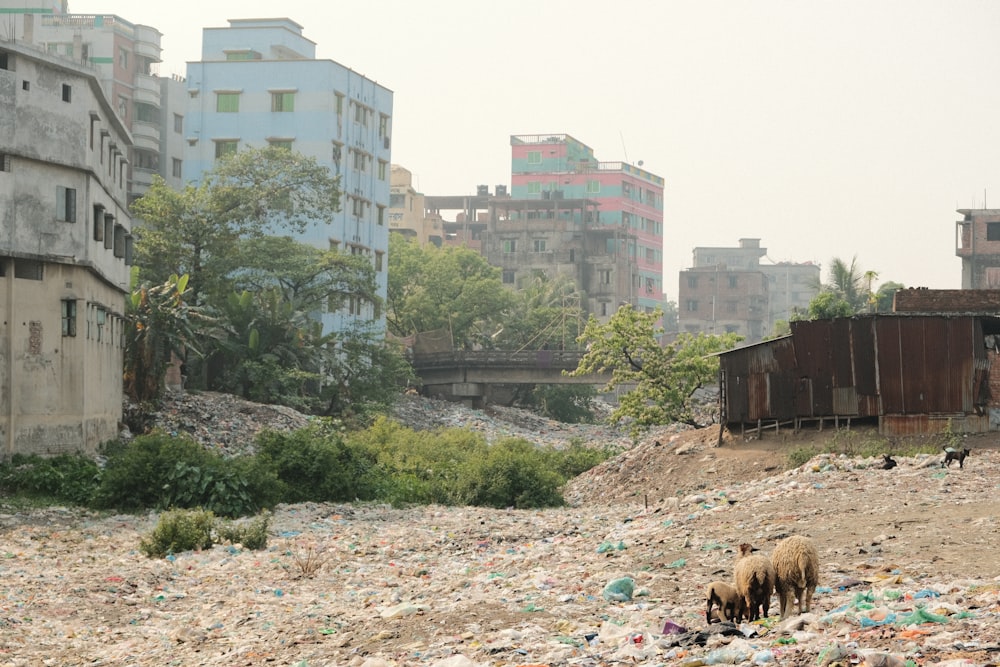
124, 56
977, 243
407, 213
65, 247
259, 83
569, 211
729, 290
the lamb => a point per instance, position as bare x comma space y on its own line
754, 582
796, 569
724, 595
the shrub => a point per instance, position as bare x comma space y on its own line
515, 473
566, 403
67, 478
420, 466
162, 471
179, 530
577, 458
800, 456
316, 464
251, 534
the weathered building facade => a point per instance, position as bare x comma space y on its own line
977, 243
65, 246
914, 373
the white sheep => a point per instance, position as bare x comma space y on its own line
754, 576
725, 596
796, 569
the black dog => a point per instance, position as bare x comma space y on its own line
888, 462
954, 455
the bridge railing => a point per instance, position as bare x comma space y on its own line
562, 359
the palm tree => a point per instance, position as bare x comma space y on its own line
846, 279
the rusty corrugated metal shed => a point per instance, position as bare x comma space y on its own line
912, 372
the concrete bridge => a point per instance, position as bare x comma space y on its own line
479, 376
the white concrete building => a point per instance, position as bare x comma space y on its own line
65, 246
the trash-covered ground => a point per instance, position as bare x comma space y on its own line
909, 573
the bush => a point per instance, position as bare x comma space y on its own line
162, 471
420, 466
570, 403
577, 459
316, 464
251, 534
67, 478
179, 530
515, 473
185, 530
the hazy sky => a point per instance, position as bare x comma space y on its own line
826, 129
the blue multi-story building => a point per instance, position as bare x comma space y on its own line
258, 83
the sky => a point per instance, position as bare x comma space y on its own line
850, 129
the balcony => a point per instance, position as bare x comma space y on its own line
147, 42
142, 179
146, 135
147, 90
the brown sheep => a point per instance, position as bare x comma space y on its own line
796, 568
754, 582
724, 595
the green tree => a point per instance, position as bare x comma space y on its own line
544, 313
829, 304
847, 280
159, 322
444, 288
665, 377
886, 294
248, 194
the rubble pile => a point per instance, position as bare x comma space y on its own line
908, 576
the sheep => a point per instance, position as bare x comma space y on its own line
754, 582
723, 594
796, 568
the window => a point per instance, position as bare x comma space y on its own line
397, 201
733, 282
593, 187
361, 160
69, 317
360, 114
67, 93
692, 305
25, 85
538, 245
119, 247
244, 54
382, 169
98, 222
5, 60
650, 285
383, 125
109, 231
224, 147
604, 308
509, 246
693, 282
282, 102
604, 276
378, 260
280, 143
357, 207
27, 269
508, 277
534, 187
4, 162
534, 157
65, 204
178, 123
102, 318
227, 102
339, 101
122, 58
381, 215
993, 231
123, 107
176, 168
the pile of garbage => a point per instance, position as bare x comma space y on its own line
908, 576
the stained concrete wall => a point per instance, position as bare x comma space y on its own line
60, 371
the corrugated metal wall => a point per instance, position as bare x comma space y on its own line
866, 366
